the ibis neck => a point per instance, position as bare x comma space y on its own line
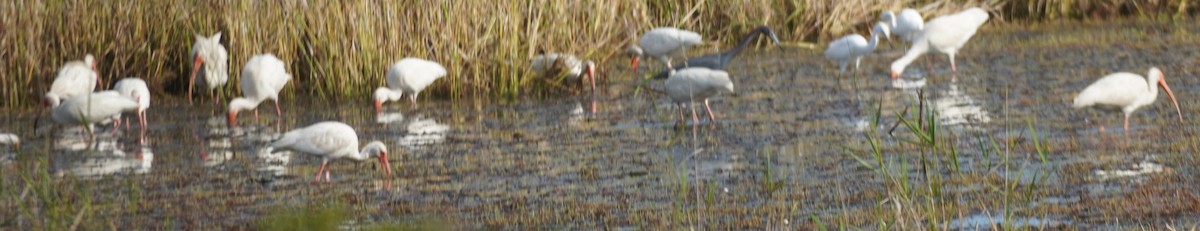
918, 48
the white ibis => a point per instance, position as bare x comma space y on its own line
331, 140
210, 60
10, 139
697, 83
135, 88
91, 108
1126, 91
906, 25
262, 79
718, 61
662, 43
854, 47
73, 79
945, 34
553, 63
408, 76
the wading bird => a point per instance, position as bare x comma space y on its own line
945, 34
1125, 91
210, 60
74, 78
91, 108
331, 140
262, 79
662, 43
554, 63
854, 47
697, 83
718, 61
134, 88
408, 76
907, 25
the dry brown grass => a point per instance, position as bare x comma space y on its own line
341, 48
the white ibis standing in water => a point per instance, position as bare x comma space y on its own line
906, 25
331, 140
262, 79
408, 76
945, 34
718, 61
662, 43
135, 88
1127, 92
209, 59
697, 83
854, 47
91, 108
10, 139
554, 63
73, 79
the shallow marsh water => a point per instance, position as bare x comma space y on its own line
790, 150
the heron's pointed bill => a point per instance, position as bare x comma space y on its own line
1163, 82
196, 62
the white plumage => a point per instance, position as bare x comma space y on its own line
572, 66
945, 34
662, 43
135, 88
854, 47
907, 25
408, 76
74, 78
697, 83
1126, 91
91, 108
331, 140
262, 79
210, 60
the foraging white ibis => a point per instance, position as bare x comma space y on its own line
567, 64
74, 78
854, 47
262, 79
135, 88
662, 43
945, 34
1126, 91
408, 76
209, 59
906, 25
331, 140
718, 61
697, 83
91, 108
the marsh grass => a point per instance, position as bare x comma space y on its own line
342, 48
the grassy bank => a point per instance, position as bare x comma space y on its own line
341, 48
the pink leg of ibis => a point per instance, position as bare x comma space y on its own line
319, 170
278, 113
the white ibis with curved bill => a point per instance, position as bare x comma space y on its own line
74, 78
718, 61
408, 76
945, 34
262, 79
1127, 92
210, 60
697, 83
662, 43
331, 140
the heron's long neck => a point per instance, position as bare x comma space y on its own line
745, 42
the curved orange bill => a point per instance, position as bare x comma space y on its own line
196, 62
383, 159
635, 63
1163, 83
